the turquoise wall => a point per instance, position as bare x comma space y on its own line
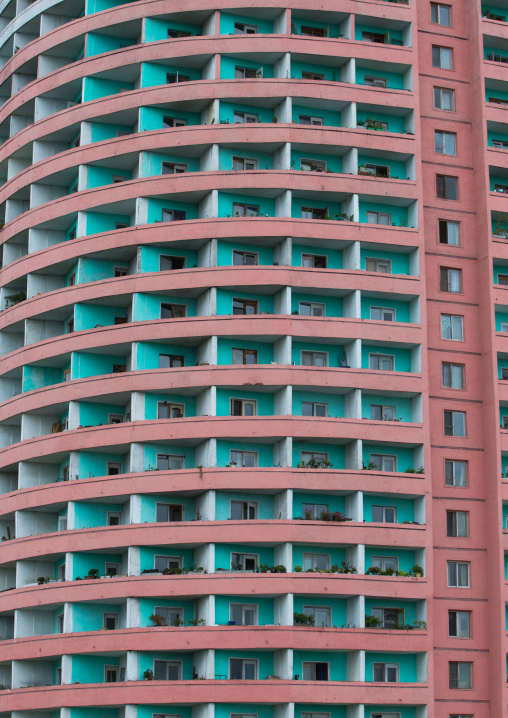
335, 402
334, 710
265, 608
151, 451
408, 606
93, 414
87, 515
402, 356
150, 257
223, 556
332, 74
403, 406
94, 270
225, 252
395, 80
333, 163
227, 23
104, 131
90, 669
84, 364
400, 262
335, 502
170, 708
90, 616
265, 451
227, 110
225, 301
154, 74
404, 456
148, 306
337, 554
264, 401
265, 160
83, 562
405, 507
97, 222
497, 94
496, 136
338, 606
35, 377
147, 354
406, 661
501, 318
333, 256
264, 658
228, 64
406, 558
225, 347
91, 464
151, 118
155, 207
97, 44
151, 401
149, 508
93, 6
157, 28
336, 659
99, 176
333, 305
403, 711
88, 316
96, 87
398, 214
226, 201
223, 504
152, 163
396, 123
330, 118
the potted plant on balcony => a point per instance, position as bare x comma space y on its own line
41, 580
279, 569
93, 573
416, 571
148, 675
157, 619
372, 621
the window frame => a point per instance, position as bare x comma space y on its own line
244, 557
376, 355
245, 661
168, 559
243, 402
382, 311
328, 610
245, 352
172, 358
244, 160
457, 633
441, 90
110, 615
314, 557
383, 457
453, 462
452, 366
244, 453
314, 354
456, 564
313, 258
245, 508
438, 6
458, 678
380, 561
446, 272
445, 191
451, 424
169, 457
453, 525
374, 81
244, 254
314, 405
441, 234
452, 317
438, 52
383, 510
386, 668
167, 664
314, 664
445, 133
171, 406
377, 262
245, 606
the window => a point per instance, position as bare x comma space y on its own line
382, 314
455, 423
161, 563
447, 187
461, 674
382, 715
174, 34
112, 569
452, 327
459, 624
60, 623
453, 375
244, 614
374, 37
322, 615
58, 677
173, 77
444, 99
377, 170
440, 14
73, 234
111, 621
243, 29
461, 715
169, 615
120, 272
62, 523
245, 306
243, 117
382, 412
169, 462
502, 279
119, 178
173, 311
375, 81
65, 473
455, 473
386, 562
450, 280
316, 561
313, 31
379, 218
245, 669
167, 670
72, 280
242, 73
244, 258
244, 356
319, 457
172, 168
382, 266
314, 358
314, 261
384, 514
504, 372
245, 210
70, 326
166, 410
449, 232
243, 407
313, 213
311, 309
116, 418
173, 122
457, 524
114, 468
389, 617
384, 362
173, 215
386, 672
121, 225
315, 671
246, 459
314, 511
313, 408
458, 574
442, 57
313, 165
244, 163
312, 75
504, 328
111, 674
170, 361
168, 512
67, 375
500, 144
384, 462
114, 518
244, 561
244, 510
445, 143
310, 120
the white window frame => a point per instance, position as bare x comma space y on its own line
244, 557
314, 405
442, 91
246, 505
463, 523
387, 411
313, 120
170, 458
378, 263
315, 508
379, 612
384, 509
438, 7
172, 406
62, 523
244, 254
115, 616
453, 463
320, 456
443, 143
312, 258
456, 564
110, 566
314, 558
241, 118
374, 81
165, 612
318, 165
245, 661
444, 57
112, 514
167, 664
458, 633
178, 168
458, 679
449, 223
455, 424
313, 306
311, 610
387, 667
452, 370
381, 562
254, 607
112, 669
382, 458
244, 161
374, 217
168, 560
503, 327
383, 311
314, 663
382, 357
452, 317
244, 454
168, 507
244, 402
314, 354
245, 29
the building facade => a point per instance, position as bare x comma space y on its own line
253, 359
